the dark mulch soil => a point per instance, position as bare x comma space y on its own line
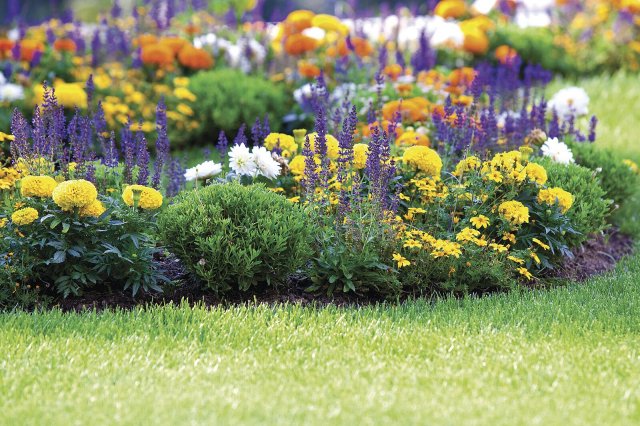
596, 256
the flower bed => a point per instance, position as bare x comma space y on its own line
415, 177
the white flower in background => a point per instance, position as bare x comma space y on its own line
241, 160
446, 34
11, 92
533, 13
572, 101
559, 152
265, 164
203, 171
502, 117
303, 93
484, 6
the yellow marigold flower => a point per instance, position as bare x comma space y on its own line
3, 222
536, 173
360, 153
37, 186
6, 137
24, 216
332, 145
467, 234
423, 159
515, 212
401, 260
150, 199
295, 199
94, 209
498, 247
480, 221
74, 194
181, 82
282, 140
516, 260
184, 109
525, 273
467, 164
495, 176
535, 257
412, 244
509, 237
551, 196
632, 165
541, 244
297, 164
443, 248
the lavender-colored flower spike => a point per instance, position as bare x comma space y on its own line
223, 143
176, 178
90, 89
256, 133
162, 143
593, 123
240, 138
142, 157
128, 152
21, 130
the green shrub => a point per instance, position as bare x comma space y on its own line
234, 237
70, 254
228, 98
616, 178
591, 207
354, 252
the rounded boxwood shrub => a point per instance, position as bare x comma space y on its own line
617, 179
235, 237
228, 98
591, 206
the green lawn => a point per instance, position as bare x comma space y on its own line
565, 356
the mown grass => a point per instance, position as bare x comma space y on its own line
566, 356
570, 355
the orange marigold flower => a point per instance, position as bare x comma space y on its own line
505, 54
308, 70
409, 109
196, 59
360, 45
393, 71
175, 43
462, 76
28, 48
298, 44
65, 45
145, 40
5, 47
157, 54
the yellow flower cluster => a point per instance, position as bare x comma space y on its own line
333, 149
360, 153
93, 209
286, 143
467, 164
536, 173
632, 165
423, 159
552, 196
8, 177
37, 186
149, 198
514, 211
74, 194
24, 216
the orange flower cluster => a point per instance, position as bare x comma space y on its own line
28, 48
65, 45
194, 58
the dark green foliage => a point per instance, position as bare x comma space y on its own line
616, 178
234, 237
228, 98
72, 254
354, 254
591, 207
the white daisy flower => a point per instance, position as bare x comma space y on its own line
558, 151
203, 171
241, 161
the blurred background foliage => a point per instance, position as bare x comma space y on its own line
38, 10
